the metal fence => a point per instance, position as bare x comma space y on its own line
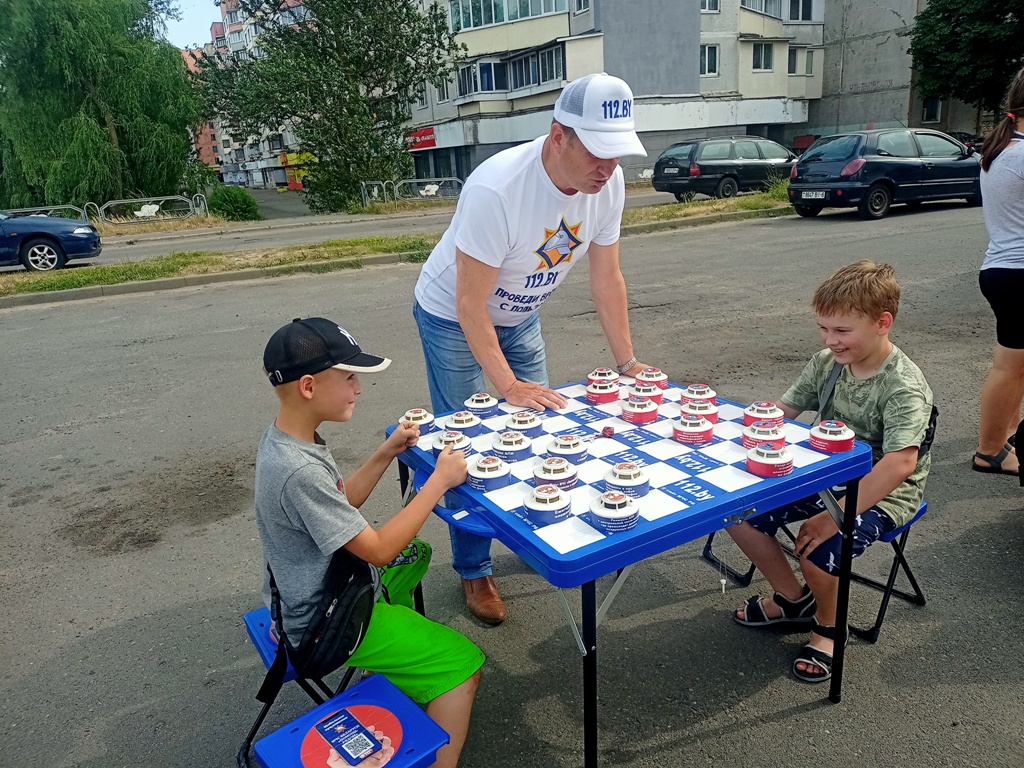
62, 211
141, 210
442, 188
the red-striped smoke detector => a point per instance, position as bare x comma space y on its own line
704, 408
832, 437
763, 432
602, 391
603, 374
699, 392
692, 429
639, 410
647, 389
653, 376
770, 460
763, 410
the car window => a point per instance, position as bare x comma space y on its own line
682, 152
936, 146
746, 150
832, 149
897, 144
715, 150
3, 215
773, 151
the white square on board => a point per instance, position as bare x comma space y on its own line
496, 423
730, 412
592, 470
796, 433
728, 478
803, 457
612, 409
581, 497
573, 405
509, 408
523, 470
672, 394
484, 442
573, 390
727, 430
602, 446
556, 424
728, 452
664, 474
656, 505
663, 427
665, 449
510, 497
617, 424
669, 410
569, 535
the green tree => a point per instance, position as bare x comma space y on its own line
341, 78
94, 105
968, 49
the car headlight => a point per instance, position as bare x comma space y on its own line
83, 231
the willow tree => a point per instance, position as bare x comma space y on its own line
94, 104
341, 77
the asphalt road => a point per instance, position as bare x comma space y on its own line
130, 550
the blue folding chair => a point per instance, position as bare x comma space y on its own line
897, 538
416, 738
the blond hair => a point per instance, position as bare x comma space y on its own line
863, 286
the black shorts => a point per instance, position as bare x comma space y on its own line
1004, 289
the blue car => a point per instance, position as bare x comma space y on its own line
42, 243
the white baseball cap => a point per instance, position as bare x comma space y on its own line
600, 109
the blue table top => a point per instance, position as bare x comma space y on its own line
694, 491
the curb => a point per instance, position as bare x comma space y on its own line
163, 284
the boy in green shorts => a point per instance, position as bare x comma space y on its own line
883, 397
306, 510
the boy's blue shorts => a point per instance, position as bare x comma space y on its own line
870, 524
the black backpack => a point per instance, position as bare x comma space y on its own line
335, 630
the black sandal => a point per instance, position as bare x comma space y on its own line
811, 654
794, 612
995, 464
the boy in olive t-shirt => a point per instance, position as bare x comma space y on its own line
883, 397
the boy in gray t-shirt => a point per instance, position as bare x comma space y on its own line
306, 511
883, 397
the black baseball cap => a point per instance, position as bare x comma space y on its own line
308, 346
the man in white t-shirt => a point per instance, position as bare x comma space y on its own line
524, 218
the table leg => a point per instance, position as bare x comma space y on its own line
589, 605
403, 479
835, 692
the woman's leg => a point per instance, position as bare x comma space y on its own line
1000, 404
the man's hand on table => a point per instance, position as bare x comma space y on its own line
813, 532
527, 395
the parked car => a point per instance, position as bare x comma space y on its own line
43, 243
969, 140
721, 166
871, 170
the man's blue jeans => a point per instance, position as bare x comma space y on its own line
453, 375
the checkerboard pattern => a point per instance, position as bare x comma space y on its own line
682, 477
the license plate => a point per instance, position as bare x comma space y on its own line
813, 195
671, 170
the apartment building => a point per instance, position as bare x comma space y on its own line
272, 159
700, 68
868, 75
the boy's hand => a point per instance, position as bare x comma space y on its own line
813, 532
405, 436
451, 468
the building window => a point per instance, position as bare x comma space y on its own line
486, 76
275, 142
800, 10
767, 7
236, 37
931, 110
709, 6
216, 149
584, 5
809, 64
550, 64
232, 17
470, 14
792, 61
442, 92
467, 80
293, 15
213, 138
421, 96
525, 72
709, 60
763, 57
211, 123
226, 143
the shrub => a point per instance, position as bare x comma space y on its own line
234, 204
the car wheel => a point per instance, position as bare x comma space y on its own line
875, 204
684, 197
42, 255
808, 211
727, 187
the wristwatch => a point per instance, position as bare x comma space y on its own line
627, 365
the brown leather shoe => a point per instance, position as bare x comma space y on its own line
483, 600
